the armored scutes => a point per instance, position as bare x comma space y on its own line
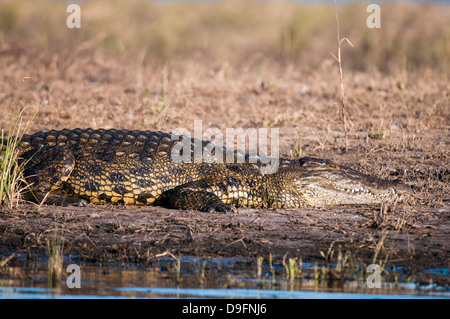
138, 168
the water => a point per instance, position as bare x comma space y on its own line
210, 278
157, 292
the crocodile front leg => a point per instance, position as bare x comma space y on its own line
194, 196
45, 170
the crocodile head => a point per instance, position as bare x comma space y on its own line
323, 183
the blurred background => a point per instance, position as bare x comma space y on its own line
413, 35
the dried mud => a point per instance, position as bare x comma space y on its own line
136, 234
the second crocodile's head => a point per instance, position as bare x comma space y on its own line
321, 183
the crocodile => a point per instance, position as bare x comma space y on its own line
134, 167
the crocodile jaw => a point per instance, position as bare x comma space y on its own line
323, 183
318, 196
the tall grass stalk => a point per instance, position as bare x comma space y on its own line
165, 101
342, 109
259, 262
378, 249
292, 269
272, 270
55, 255
12, 183
200, 266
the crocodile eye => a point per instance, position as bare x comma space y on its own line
332, 165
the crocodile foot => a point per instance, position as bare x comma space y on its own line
190, 198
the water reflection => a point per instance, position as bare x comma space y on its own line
207, 278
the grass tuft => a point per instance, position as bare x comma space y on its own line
380, 134
12, 183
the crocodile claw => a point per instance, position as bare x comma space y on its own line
221, 208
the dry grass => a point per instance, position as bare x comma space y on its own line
342, 109
413, 36
12, 183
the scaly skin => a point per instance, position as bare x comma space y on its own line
136, 168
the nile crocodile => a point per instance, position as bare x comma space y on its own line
136, 168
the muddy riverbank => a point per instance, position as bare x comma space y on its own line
136, 234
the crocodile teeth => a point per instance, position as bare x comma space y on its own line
366, 191
354, 190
